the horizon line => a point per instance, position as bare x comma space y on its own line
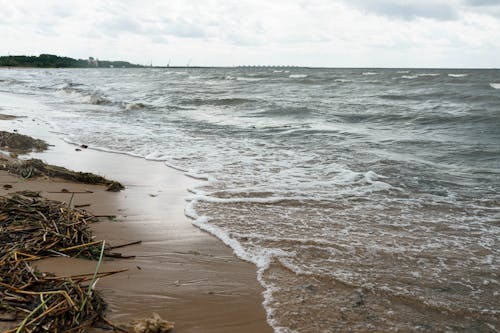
256, 66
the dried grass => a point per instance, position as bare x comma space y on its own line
34, 228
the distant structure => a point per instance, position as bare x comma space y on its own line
54, 61
93, 62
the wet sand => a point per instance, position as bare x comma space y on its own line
180, 272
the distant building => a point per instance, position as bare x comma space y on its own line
93, 62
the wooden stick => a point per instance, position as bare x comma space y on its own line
123, 245
101, 274
79, 246
117, 255
80, 206
74, 192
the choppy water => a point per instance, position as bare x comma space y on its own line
368, 199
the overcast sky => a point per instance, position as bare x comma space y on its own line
333, 33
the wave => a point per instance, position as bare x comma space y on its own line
458, 75
13, 81
394, 97
428, 74
370, 73
218, 101
420, 75
134, 106
287, 111
297, 76
495, 85
249, 79
96, 99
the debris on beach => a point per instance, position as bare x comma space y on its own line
33, 228
37, 168
20, 143
114, 187
152, 325
7, 116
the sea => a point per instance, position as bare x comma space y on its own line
368, 199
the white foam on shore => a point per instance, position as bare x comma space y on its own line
201, 176
266, 200
262, 259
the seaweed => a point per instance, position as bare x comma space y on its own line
37, 168
20, 143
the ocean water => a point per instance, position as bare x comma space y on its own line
368, 199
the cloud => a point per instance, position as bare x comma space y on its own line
409, 10
116, 25
484, 7
221, 32
61, 10
483, 2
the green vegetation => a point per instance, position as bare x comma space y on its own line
53, 61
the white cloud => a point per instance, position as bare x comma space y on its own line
388, 33
410, 9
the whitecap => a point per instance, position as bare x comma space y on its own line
409, 77
457, 75
240, 78
370, 73
297, 76
134, 106
96, 99
495, 85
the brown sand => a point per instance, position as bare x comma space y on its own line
180, 272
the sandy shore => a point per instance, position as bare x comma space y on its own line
180, 272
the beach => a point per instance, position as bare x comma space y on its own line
178, 271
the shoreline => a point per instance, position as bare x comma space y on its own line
186, 275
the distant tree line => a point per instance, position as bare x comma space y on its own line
53, 61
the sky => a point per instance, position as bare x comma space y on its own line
319, 33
